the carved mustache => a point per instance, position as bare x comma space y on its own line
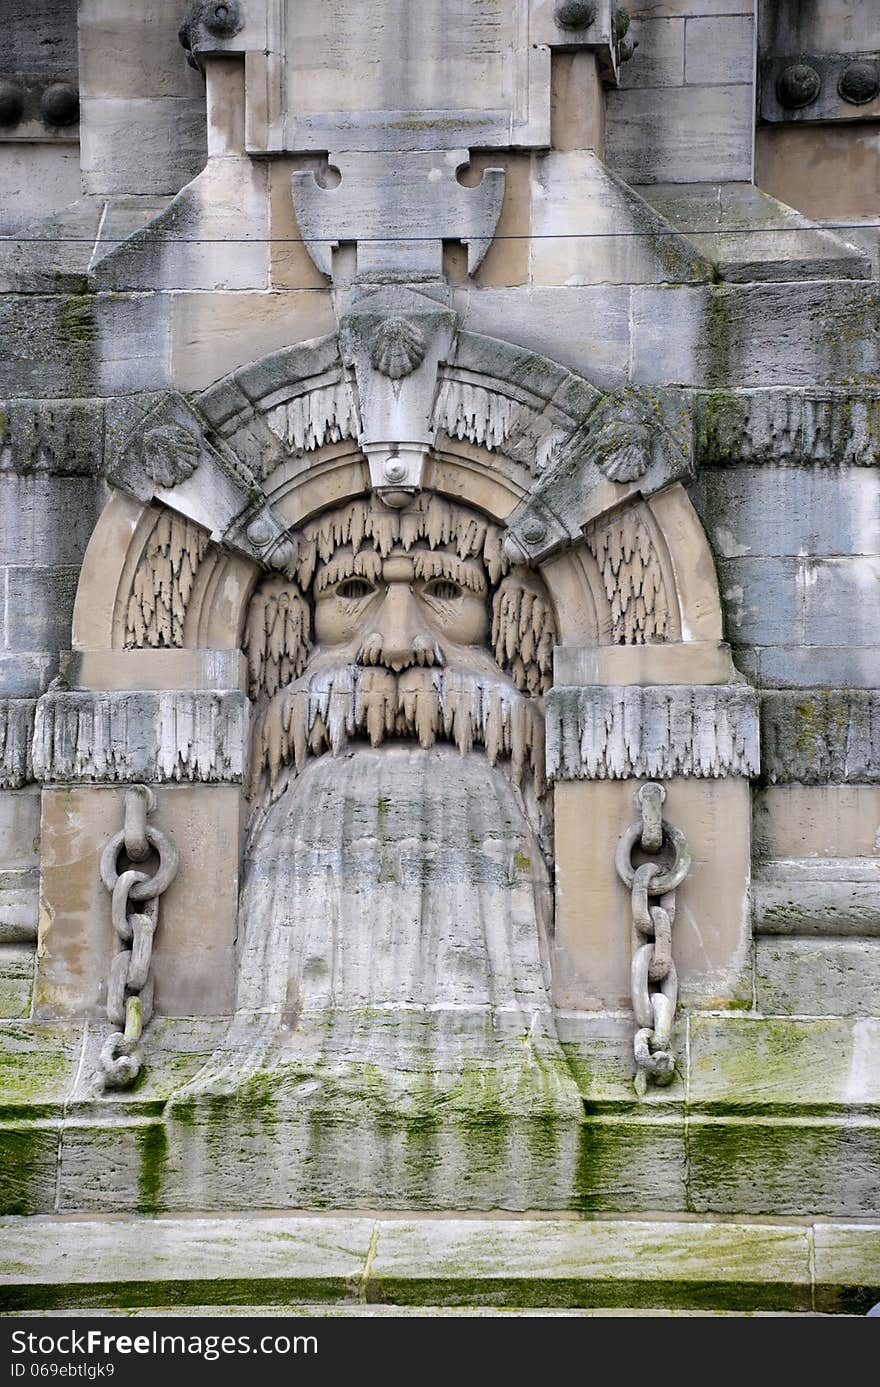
422, 652
323, 710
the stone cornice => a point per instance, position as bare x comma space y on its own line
128, 736
602, 732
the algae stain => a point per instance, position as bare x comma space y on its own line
153, 1143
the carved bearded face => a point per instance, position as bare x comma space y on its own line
403, 624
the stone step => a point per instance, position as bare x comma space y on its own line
359, 1264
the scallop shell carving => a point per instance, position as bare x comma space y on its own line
171, 454
624, 450
398, 348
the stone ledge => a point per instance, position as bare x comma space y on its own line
602, 732
122, 737
817, 736
51, 1263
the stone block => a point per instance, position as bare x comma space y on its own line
817, 821
133, 53
194, 952
39, 607
36, 181
47, 518
507, 261
138, 736
651, 9
778, 1066
593, 910
586, 328
602, 732
26, 673
719, 50
762, 599
669, 662
241, 1261
818, 977
19, 904
20, 827
658, 61
290, 265
680, 134
589, 228
593, 1262
133, 333
49, 345
817, 897
142, 145
802, 333
38, 1065
799, 666
16, 980
212, 334
820, 735
841, 598
763, 1167
786, 511
846, 1262
28, 1167
58, 437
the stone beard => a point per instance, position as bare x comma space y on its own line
396, 904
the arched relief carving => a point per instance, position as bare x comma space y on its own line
516, 446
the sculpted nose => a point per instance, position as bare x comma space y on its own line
402, 632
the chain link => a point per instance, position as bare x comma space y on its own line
134, 912
653, 977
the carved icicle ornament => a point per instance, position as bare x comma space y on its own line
398, 348
171, 454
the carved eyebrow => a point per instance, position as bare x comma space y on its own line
366, 563
438, 563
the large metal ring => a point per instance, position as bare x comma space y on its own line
666, 881
154, 885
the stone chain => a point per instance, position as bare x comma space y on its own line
653, 978
134, 911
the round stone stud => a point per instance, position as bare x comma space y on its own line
534, 531
60, 104
222, 18
798, 86
11, 103
859, 83
575, 14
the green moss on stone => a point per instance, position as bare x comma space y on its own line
153, 1145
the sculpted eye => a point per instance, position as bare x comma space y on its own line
443, 588
355, 588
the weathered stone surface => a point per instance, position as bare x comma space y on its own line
829, 820
546, 1263
719, 49
790, 666
39, 607
818, 977
194, 947
763, 599
16, 979
833, 426
19, 904
16, 735
787, 511
141, 145
846, 1267
603, 733
783, 1065
817, 896
658, 61
590, 228
680, 134
136, 736
585, 328
47, 517
798, 334
821, 735
766, 1167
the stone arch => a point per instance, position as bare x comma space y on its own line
587, 484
